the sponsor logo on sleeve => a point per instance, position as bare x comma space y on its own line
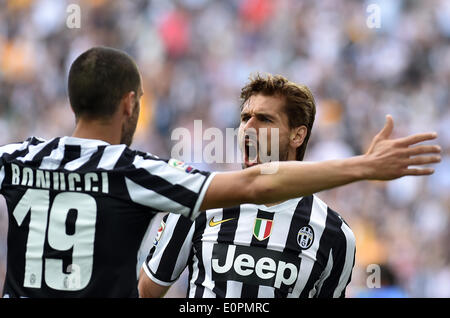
159, 233
180, 165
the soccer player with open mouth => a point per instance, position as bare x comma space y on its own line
290, 248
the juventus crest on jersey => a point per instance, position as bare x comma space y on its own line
299, 248
78, 212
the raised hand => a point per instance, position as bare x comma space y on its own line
392, 158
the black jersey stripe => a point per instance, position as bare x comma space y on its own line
226, 235
228, 229
170, 254
71, 152
248, 290
351, 272
32, 141
335, 234
262, 215
46, 151
174, 192
325, 244
301, 218
199, 287
200, 225
93, 161
153, 248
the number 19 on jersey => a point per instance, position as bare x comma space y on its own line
49, 224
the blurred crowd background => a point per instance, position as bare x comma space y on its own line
195, 55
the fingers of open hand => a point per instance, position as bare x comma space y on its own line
418, 171
414, 139
423, 160
421, 150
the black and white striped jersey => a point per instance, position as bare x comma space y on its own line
299, 248
79, 210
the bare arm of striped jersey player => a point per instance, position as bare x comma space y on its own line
148, 288
386, 159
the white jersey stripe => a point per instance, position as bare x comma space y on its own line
153, 199
281, 222
140, 250
155, 279
266, 292
85, 156
233, 288
181, 259
2, 176
89, 143
165, 238
244, 231
201, 196
52, 161
317, 220
207, 283
9, 149
33, 151
161, 169
192, 286
207, 246
110, 156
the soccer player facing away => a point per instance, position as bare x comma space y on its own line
79, 206
294, 248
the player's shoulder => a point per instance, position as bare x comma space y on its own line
145, 155
335, 223
147, 158
127, 158
175, 219
30, 141
20, 145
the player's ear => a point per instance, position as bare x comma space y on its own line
298, 135
128, 102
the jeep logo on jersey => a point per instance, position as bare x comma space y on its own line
254, 266
305, 237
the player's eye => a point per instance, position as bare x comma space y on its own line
265, 119
244, 118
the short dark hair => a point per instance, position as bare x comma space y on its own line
98, 79
299, 106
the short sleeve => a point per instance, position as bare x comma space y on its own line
171, 249
6, 151
167, 185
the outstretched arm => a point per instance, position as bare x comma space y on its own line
386, 159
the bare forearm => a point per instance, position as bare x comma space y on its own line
278, 181
149, 289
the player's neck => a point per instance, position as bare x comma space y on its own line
100, 130
291, 156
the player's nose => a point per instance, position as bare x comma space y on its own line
252, 123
